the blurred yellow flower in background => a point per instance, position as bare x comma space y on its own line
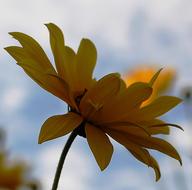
145, 72
11, 175
14, 173
96, 108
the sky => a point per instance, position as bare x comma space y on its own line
127, 34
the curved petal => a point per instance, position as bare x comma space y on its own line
122, 139
86, 61
33, 50
130, 128
100, 145
159, 130
32, 55
59, 125
158, 107
58, 47
99, 94
46, 77
155, 127
147, 142
152, 162
49, 82
123, 85
122, 105
146, 128
156, 144
64, 56
18, 53
154, 78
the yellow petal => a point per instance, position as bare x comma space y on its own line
122, 105
58, 47
159, 130
162, 128
122, 139
158, 107
43, 76
126, 127
86, 61
58, 126
151, 161
34, 51
156, 144
155, 127
18, 53
146, 128
51, 83
65, 59
146, 74
70, 70
154, 78
99, 94
123, 85
100, 145
64, 56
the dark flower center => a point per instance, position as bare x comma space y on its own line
79, 97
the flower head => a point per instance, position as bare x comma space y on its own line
97, 109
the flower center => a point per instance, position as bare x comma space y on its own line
79, 97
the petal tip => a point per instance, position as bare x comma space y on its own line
41, 139
6, 49
103, 166
12, 33
180, 161
48, 24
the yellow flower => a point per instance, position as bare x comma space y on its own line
144, 73
14, 174
96, 108
11, 176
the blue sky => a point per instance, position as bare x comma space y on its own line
126, 34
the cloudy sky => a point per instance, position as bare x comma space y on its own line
126, 34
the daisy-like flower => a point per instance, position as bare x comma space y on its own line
97, 109
145, 72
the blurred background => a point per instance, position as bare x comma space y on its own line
130, 36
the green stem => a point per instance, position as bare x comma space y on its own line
62, 158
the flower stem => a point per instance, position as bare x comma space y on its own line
62, 158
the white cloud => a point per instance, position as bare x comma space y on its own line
183, 139
13, 98
129, 28
109, 20
76, 172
